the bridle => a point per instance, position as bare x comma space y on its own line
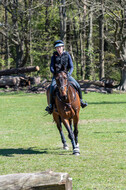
62, 86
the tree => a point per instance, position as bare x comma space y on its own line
17, 35
118, 37
62, 10
101, 39
89, 54
94, 32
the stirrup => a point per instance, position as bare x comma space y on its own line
83, 104
49, 109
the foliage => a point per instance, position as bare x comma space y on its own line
111, 68
31, 27
2, 62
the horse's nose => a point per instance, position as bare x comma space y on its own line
62, 88
65, 97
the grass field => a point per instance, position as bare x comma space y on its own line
30, 141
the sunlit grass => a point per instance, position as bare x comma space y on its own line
30, 141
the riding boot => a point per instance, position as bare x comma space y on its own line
49, 108
83, 104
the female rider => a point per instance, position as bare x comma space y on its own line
61, 61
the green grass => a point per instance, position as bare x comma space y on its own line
30, 141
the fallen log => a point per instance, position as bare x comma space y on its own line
98, 83
19, 70
44, 181
9, 81
16, 81
88, 83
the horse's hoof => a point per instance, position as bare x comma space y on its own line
76, 151
76, 154
65, 147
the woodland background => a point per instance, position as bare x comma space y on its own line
94, 33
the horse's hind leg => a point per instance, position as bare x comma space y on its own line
59, 126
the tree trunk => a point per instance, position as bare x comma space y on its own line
89, 56
101, 40
30, 33
123, 79
18, 35
63, 21
82, 42
7, 42
76, 36
122, 54
47, 23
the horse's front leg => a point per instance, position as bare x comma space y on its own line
71, 136
59, 126
70, 122
75, 122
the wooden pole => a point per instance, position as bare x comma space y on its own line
44, 180
19, 70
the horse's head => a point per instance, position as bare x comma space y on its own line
62, 83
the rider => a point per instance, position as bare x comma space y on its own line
61, 61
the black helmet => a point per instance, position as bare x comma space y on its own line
58, 43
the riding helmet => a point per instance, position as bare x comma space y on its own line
58, 43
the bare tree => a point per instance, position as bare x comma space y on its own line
101, 40
118, 39
6, 39
89, 54
82, 31
30, 32
18, 34
63, 20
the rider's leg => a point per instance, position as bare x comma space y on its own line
49, 108
83, 104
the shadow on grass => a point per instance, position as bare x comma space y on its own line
11, 151
110, 132
107, 102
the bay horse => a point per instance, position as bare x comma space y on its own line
66, 110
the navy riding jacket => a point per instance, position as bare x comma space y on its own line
69, 62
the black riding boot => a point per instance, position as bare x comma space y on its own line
83, 104
49, 108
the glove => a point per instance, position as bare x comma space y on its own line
68, 75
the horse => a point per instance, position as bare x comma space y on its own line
66, 110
